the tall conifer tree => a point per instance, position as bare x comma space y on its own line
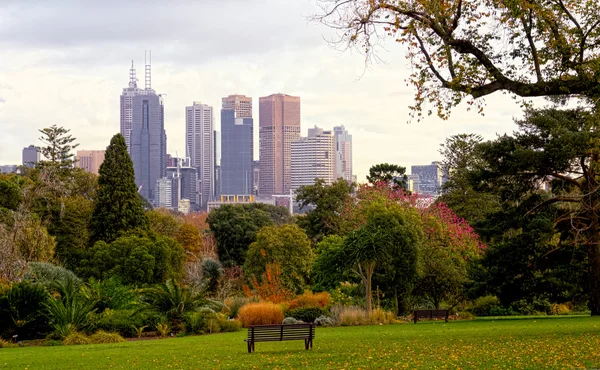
117, 207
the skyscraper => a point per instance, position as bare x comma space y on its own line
199, 147
313, 157
127, 106
89, 160
279, 116
147, 138
237, 145
31, 156
343, 146
429, 178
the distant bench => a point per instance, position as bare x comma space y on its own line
430, 314
280, 332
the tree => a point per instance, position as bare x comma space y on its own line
474, 48
462, 159
136, 258
286, 246
390, 174
117, 207
58, 146
235, 228
384, 236
190, 239
449, 247
559, 148
327, 271
164, 222
324, 203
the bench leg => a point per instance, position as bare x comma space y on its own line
305, 343
253, 349
310, 343
249, 347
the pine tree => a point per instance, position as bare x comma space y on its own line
117, 205
59, 145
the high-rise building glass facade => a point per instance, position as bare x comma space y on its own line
343, 145
279, 126
31, 156
313, 157
237, 149
200, 147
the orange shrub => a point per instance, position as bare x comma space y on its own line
310, 299
261, 313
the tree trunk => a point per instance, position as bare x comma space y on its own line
594, 276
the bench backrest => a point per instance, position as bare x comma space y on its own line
281, 332
431, 313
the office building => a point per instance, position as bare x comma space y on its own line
31, 156
200, 147
89, 160
9, 168
185, 186
126, 103
429, 179
279, 126
343, 147
237, 145
217, 165
163, 194
147, 138
313, 157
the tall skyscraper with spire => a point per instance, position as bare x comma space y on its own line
127, 106
237, 145
143, 125
279, 125
199, 147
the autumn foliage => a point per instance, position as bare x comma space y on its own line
270, 288
261, 313
310, 299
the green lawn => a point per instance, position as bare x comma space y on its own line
571, 342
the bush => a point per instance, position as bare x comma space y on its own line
310, 299
234, 304
22, 311
104, 337
124, 322
76, 338
306, 314
536, 306
163, 329
489, 306
323, 321
229, 325
6, 344
261, 313
202, 321
290, 320
52, 343
349, 315
379, 316
559, 309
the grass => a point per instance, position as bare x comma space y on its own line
561, 343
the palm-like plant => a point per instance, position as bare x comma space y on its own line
70, 310
174, 301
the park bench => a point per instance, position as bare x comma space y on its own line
430, 314
280, 332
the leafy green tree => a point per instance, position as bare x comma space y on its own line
324, 204
71, 230
462, 159
547, 48
164, 222
390, 174
117, 207
235, 228
58, 147
136, 258
286, 246
190, 239
10, 194
327, 271
558, 147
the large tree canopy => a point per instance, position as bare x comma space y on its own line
477, 47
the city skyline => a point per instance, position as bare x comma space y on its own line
75, 82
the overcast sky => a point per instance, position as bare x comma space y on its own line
65, 62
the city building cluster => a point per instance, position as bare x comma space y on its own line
219, 167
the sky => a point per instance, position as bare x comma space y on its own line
65, 62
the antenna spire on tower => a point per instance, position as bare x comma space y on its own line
132, 78
148, 74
